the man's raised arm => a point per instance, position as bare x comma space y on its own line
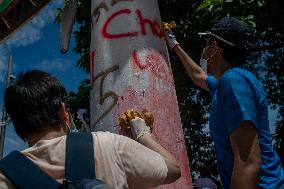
194, 71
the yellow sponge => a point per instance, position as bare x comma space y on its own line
125, 118
169, 26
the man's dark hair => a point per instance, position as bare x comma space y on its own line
237, 33
33, 102
233, 54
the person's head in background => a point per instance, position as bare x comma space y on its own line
36, 106
227, 45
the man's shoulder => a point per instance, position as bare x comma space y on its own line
108, 137
237, 77
107, 134
240, 84
212, 84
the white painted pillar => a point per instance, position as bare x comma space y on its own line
130, 69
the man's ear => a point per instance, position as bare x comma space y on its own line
63, 114
220, 50
216, 46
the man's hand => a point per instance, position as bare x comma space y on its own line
138, 123
170, 37
142, 133
139, 128
194, 71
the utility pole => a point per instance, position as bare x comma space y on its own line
4, 118
130, 69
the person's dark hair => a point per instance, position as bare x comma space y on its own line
33, 102
236, 32
232, 54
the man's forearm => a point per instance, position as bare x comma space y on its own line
141, 132
149, 142
194, 71
247, 157
172, 164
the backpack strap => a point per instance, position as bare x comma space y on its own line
79, 163
24, 174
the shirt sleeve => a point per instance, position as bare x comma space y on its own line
143, 166
212, 84
237, 101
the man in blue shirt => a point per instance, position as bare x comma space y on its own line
239, 113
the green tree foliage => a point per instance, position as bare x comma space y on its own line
80, 100
267, 19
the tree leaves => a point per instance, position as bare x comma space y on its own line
208, 4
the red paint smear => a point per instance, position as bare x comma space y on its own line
105, 32
143, 21
155, 63
136, 61
158, 29
167, 130
167, 127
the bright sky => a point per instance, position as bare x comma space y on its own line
37, 46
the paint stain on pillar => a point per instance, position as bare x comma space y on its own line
167, 127
161, 103
152, 60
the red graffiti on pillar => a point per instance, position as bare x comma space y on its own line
155, 26
139, 63
102, 5
167, 129
108, 35
155, 63
142, 22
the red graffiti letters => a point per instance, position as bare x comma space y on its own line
105, 32
103, 5
156, 29
154, 62
139, 63
142, 23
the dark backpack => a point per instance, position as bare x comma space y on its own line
79, 167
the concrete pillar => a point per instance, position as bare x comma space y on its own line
130, 69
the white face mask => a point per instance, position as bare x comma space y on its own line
203, 62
